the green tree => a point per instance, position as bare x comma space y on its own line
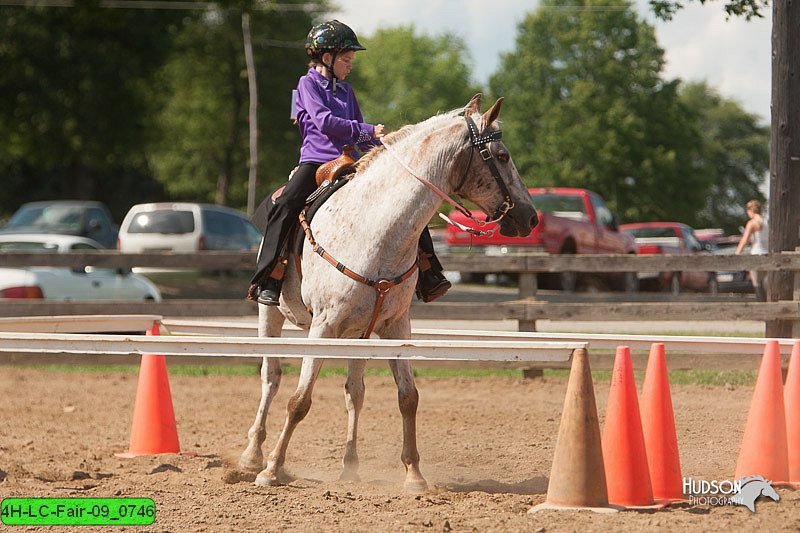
404, 78
748, 9
734, 155
75, 85
588, 108
202, 149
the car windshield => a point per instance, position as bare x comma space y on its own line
170, 222
28, 247
645, 233
50, 218
554, 203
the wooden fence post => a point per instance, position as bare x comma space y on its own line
527, 289
783, 328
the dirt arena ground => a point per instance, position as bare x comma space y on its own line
486, 446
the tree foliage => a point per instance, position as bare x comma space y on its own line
734, 155
202, 149
131, 105
404, 78
589, 108
75, 88
666, 9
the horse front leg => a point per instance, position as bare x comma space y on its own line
408, 399
354, 401
296, 410
270, 323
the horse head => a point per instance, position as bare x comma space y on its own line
490, 179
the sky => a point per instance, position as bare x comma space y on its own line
733, 56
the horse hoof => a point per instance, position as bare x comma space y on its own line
349, 475
249, 463
266, 480
416, 487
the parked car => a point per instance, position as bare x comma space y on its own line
65, 217
732, 280
571, 221
671, 238
186, 227
60, 283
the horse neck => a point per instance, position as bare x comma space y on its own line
406, 202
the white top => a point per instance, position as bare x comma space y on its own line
760, 244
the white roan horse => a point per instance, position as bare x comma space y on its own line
372, 226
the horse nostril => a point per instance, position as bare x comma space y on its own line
534, 220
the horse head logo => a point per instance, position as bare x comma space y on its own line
752, 488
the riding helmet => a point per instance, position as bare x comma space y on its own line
333, 37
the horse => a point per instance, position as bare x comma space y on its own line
372, 226
752, 488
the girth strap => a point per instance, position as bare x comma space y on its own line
381, 286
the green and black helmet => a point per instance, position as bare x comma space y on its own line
332, 37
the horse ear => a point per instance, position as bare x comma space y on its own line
474, 105
493, 112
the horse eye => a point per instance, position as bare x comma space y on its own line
503, 157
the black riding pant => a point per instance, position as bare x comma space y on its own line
283, 216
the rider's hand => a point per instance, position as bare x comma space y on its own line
380, 131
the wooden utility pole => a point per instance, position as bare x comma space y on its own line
252, 115
784, 189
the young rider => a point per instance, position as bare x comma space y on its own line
329, 119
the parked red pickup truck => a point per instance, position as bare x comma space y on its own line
571, 221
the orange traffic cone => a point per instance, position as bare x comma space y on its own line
764, 446
791, 401
153, 430
577, 477
624, 454
658, 425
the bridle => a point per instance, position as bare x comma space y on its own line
479, 142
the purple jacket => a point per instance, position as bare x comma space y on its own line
328, 122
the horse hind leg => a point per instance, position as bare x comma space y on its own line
408, 399
354, 401
270, 323
296, 410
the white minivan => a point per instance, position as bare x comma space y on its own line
186, 227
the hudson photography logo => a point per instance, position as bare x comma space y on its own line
743, 491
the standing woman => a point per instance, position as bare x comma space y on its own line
756, 229
329, 119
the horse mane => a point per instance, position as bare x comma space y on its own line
406, 131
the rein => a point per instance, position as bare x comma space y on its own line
381, 286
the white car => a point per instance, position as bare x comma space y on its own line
59, 283
186, 227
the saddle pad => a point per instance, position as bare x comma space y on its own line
300, 236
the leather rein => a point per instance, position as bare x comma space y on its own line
382, 286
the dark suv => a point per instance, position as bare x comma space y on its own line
66, 217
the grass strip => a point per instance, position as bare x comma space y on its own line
676, 377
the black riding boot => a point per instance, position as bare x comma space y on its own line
268, 293
431, 285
